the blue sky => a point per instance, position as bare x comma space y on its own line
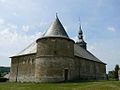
22, 21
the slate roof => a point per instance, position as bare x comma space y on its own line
56, 30
81, 52
78, 51
32, 48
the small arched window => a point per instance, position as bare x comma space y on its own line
55, 52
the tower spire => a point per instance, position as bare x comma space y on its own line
79, 24
80, 33
81, 41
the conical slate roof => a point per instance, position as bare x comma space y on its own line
56, 30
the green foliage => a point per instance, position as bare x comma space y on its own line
111, 74
116, 72
94, 85
4, 70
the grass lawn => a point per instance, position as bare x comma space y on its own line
87, 85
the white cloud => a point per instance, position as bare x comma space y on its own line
25, 28
92, 47
12, 41
112, 29
1, 21
7, 32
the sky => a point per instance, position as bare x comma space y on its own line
23, 21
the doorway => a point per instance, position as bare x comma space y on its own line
65, 74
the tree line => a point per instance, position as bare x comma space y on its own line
4, 71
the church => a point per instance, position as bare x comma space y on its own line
54, 57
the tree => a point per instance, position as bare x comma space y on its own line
111, 74
116, 71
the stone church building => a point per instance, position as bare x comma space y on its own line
55, 57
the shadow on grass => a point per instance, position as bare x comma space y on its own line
81, 81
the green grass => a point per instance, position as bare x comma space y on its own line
84, 85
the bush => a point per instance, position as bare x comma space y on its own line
3, 79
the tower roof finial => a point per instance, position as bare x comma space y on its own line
56, 15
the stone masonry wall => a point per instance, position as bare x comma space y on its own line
54, 46
52, 69
54, 56
87, 69
23, 68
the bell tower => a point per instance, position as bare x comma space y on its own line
80, 40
